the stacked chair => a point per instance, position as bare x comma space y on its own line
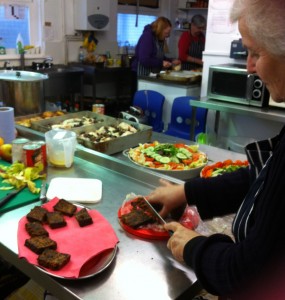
151, 103
181, 114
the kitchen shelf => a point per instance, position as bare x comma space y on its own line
193, 8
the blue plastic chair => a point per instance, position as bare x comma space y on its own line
181, 114
151, 102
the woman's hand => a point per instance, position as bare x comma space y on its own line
169, 195
166, 64
180, 237
176, 62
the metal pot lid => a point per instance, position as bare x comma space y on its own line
21, 76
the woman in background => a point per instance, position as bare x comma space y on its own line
192, 43
150, 52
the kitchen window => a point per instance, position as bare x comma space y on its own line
130, 28
24, 17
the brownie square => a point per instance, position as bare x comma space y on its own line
36, 229
37, 214
83, 218
39, 243
53, 260
65, 207
55, 219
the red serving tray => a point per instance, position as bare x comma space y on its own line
149, 233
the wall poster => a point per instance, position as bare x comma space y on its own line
145, 3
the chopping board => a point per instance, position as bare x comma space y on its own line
22, 198
83, 190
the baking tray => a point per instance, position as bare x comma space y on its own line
143, 135
45, 125
181, 76
29, 118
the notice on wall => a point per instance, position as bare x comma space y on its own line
53, 20
218, 4
220, 31
219, 22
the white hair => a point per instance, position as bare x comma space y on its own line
265, 20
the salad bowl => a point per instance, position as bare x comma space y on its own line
176, 160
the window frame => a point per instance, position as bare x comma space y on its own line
36, 25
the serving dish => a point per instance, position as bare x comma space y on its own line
183, 76
222, 167
98, 252
177, 160
92, 267
155, 231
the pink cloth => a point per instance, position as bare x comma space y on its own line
86, 245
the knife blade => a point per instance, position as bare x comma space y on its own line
43, 192
158, 216
9, 196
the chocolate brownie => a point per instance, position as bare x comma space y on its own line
37, 214
53, 260
83, 218
39, 243
55, 219
36, 229
136, 218
65, 207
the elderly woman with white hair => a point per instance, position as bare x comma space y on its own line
227, 267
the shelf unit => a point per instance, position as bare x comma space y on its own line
192, 10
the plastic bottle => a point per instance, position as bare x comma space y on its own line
2, 47
81, 55
19, 44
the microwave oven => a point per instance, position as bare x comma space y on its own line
232, 83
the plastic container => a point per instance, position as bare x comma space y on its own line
81, 54
19, 44
2, 47
61, 146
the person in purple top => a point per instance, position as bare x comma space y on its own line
150, 53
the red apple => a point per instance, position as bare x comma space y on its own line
6, 152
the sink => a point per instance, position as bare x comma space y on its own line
55, 70
12, 75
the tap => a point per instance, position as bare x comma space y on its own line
6, 63
22, 61
47, 61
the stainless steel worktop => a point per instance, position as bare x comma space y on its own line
267, 113
142, 269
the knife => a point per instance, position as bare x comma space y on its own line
9, 196
43, 192
157, 215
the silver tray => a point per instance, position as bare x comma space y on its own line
143, 135
92, 269
45, 125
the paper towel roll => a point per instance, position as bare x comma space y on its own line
7, 124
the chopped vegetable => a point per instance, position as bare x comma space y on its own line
17, 176
220, 168
168, 156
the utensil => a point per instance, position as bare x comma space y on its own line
43, 192
156, 214
9, 196
61, 146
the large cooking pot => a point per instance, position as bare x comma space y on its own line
22, 90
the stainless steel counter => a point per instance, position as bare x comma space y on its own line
142, 269
267, 113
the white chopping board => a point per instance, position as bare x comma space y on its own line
84, 190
